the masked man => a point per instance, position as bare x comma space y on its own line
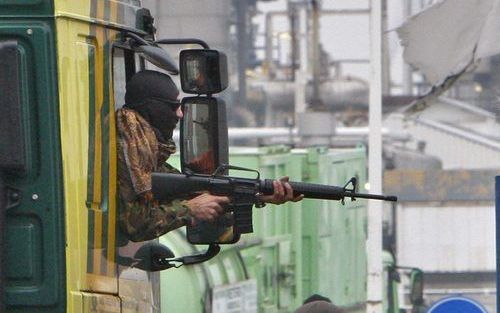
145, 126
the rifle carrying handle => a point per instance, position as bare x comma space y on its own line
311, 191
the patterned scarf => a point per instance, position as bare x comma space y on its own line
139, 150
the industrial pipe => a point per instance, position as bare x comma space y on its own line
285, 132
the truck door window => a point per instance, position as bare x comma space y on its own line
125, 64
12, 150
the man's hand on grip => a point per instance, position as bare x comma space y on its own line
207, 207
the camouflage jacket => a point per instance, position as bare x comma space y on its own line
140, 153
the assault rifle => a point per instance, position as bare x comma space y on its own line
244, 192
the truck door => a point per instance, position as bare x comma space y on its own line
30, 166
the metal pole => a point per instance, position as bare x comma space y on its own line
374, 242
241, 22
269, 46
315, 59
386, 60
301, 73
344, 12
407, 71
294, 34
497, 225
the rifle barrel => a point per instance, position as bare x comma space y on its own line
325, 192
370, 196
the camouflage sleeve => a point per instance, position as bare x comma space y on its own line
146, 219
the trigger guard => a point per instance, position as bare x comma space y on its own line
228, 208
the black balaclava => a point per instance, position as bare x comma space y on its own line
154, 96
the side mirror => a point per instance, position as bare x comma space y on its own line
204, 148
203, 135
203, 71
416, 287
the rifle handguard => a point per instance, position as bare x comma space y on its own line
324, 192
312, 191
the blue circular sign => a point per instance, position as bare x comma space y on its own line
457, 305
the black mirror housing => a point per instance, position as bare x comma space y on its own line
158, 57
204, 148
203, 71
149, 256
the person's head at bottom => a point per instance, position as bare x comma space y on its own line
154, 96
319, 306
317, 297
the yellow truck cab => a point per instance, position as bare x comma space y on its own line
64, 66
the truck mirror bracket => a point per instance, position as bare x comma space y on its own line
212, 251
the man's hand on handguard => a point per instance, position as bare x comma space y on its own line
207, 207
283, 192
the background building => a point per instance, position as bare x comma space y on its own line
276, 57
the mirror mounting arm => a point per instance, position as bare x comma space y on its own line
212, 251
136, 37
183, 41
